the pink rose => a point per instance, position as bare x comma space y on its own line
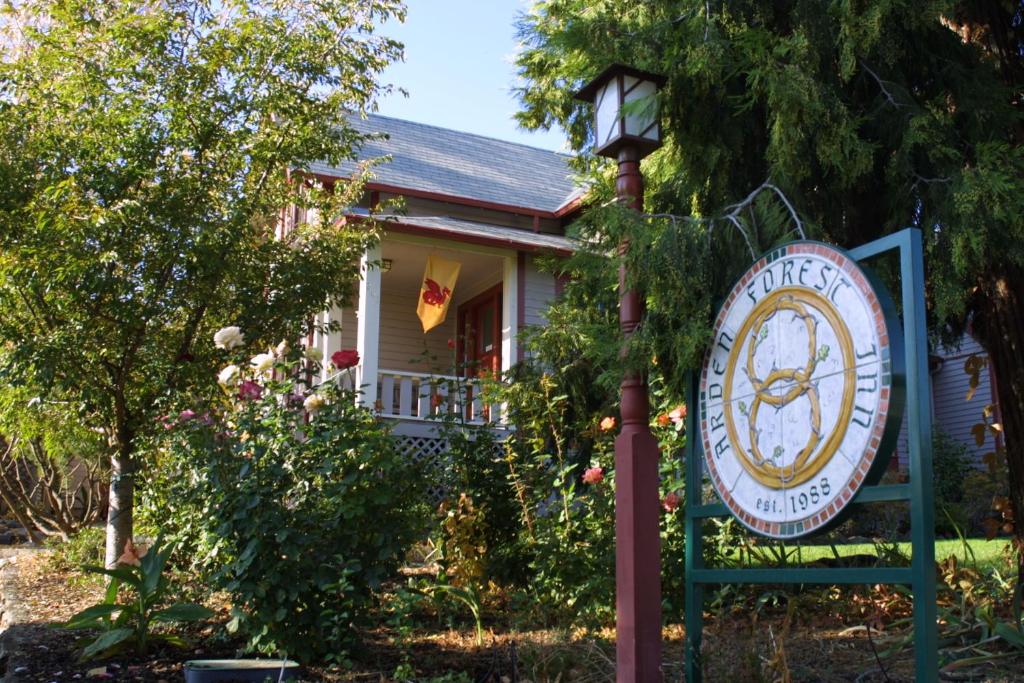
593, 475
678, 415
249, 390
608, 424
186, 415
670, 502
344, 359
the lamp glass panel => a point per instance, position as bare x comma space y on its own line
643, 113
607, 112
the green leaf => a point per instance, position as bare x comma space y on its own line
170, 639
152, 569
126, 574
1009, 634
107, 641
93, 617
110, 597
183, 612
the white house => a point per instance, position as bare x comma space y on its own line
493, 207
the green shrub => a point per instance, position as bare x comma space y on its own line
561, 477
982, 487
951, 464
300, 512
85, 547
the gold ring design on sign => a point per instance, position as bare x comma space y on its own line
800, 382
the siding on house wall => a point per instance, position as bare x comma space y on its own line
952, 413
539, 293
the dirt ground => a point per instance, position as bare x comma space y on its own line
736, 648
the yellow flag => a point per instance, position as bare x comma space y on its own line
436, 291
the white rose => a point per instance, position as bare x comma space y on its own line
262, 362
283, 348
228, 338
313, 403
314, 354
228, 376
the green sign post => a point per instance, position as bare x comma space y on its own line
750, 495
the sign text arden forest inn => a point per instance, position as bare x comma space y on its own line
797, 389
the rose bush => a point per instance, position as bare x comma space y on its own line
560, 472
294, 501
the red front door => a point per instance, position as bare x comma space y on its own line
479, 349
480, 334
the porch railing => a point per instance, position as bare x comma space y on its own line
422, 396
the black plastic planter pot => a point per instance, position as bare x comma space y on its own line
239, 670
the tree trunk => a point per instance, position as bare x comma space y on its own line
121, 504
998, 323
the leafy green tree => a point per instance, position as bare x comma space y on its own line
867, 116
147, 150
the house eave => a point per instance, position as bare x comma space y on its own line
570, 205
528, 242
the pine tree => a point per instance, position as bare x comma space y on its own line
868, 115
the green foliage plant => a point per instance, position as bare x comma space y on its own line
561, 469
148, 154
127, 625
951, 465
83, 548
295, 499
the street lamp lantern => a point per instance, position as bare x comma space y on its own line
625, 110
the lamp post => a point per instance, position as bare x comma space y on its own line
628, 133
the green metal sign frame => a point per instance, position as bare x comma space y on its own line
920, 576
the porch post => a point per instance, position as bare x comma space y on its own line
510, 322
509, 312
368, 325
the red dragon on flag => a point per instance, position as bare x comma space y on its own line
434, 294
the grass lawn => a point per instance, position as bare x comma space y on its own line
980, 553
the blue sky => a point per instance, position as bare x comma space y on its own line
458, 69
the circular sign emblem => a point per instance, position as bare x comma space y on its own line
799, 401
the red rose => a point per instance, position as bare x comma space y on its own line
344, 359
670, 502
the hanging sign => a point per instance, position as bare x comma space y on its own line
800, 402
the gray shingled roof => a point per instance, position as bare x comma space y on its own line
449, 162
